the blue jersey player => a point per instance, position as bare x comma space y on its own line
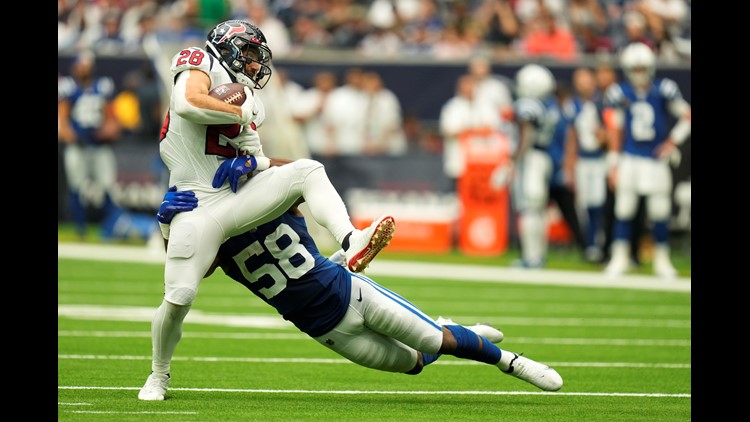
588, 138
347, 312
87, 126
537, 114
641, 145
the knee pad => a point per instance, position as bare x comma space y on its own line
626, 204
181, 296
659, 207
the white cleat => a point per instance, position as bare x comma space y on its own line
365, 244
535, 373
155, 387
617, 267
664, 269
485, 330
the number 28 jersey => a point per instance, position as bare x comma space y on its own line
193, 151
279, 263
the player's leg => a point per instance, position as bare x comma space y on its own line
536, 169
390, 314
373, 343
591, 191
193, 242
659, 209
626, 203
270, 193
104, 166
75, 173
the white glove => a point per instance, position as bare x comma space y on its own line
339, 257
248, 107
248, 141
500, 177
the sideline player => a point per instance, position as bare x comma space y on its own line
641, 145
88, 128
350, 313
538, 113
200, 158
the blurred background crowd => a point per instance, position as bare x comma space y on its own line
338, 94
436, 29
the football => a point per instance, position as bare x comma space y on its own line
231, 93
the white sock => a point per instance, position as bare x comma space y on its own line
325, 204
505, 358
533, 236
166, 331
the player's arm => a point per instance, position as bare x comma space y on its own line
190, 99
65, 131
680, 109
570, 154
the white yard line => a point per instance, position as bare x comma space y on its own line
419, 270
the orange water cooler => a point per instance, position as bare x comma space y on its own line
484, 216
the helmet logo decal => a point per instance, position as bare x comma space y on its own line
227, 30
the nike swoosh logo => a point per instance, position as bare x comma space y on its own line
360, 296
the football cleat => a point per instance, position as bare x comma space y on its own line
617, 266
155, 387
664, 269
485, 330
535, 373
365, 244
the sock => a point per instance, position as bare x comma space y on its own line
166, 331
505, 359
77, 212
660, 232
326, 206
428, 359
468, 346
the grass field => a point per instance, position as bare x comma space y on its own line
625, 354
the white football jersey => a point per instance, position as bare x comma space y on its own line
193, 151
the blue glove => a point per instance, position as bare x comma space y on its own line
233, 169
176, 201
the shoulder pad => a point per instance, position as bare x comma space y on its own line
669, 89
191, 58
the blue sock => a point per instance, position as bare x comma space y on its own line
468, 346
428, 359
660, 232
77, 212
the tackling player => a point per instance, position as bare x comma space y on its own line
641, 145
350, 313
201, 158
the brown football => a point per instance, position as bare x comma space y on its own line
231, 93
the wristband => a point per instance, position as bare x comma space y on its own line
612, 159
263, 163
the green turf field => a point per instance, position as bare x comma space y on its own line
624, 354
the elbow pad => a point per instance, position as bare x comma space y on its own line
203, 116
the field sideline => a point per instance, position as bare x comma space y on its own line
418, 270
